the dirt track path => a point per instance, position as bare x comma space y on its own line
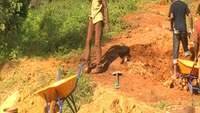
150, 42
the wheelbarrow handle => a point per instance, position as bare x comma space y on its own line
192, 68
80, 70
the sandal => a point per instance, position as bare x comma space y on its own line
98, 69
88, 68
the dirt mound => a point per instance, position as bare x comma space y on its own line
27, 76
150, 43
108, 101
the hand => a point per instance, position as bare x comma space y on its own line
190, 31
107, 28
195, 61
171, 29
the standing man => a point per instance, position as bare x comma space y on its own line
177, 14
98, 20
197, 35
197, 38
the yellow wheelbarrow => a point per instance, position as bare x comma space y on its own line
189, 70
188, 67
60, 91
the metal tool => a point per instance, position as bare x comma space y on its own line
117, 74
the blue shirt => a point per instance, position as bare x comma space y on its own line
179, 10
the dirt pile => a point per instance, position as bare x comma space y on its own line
106, 100
109, 101
27, 76
150, 43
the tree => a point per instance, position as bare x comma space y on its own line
12, 14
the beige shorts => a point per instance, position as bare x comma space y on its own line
97, 18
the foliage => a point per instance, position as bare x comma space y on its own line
117, 9
162, 105
82, 94
52, 28
12, 14
59, 26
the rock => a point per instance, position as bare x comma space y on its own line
147, 29
169, 83
185, 88
32, 102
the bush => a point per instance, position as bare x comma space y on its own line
59, 27
118, 9
83, 92
12, 14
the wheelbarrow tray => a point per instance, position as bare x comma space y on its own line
10, 101
61, 89
185, 67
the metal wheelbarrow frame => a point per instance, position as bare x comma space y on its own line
61, 91
189, 70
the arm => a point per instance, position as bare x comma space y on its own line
191, 21
105, 13
171, 18
198, 10
188, 13
196, 47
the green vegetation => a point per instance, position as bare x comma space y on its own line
54, 28
162, 105
82, 94
84, 89
12, 14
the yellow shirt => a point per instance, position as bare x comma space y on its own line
96, 13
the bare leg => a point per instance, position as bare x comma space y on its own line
196, 46
88, 41
197, 58
198, 80
98, 35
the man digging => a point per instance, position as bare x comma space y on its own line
97, 21
177, 15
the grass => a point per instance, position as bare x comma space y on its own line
162, 105
83, 93
59, 27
